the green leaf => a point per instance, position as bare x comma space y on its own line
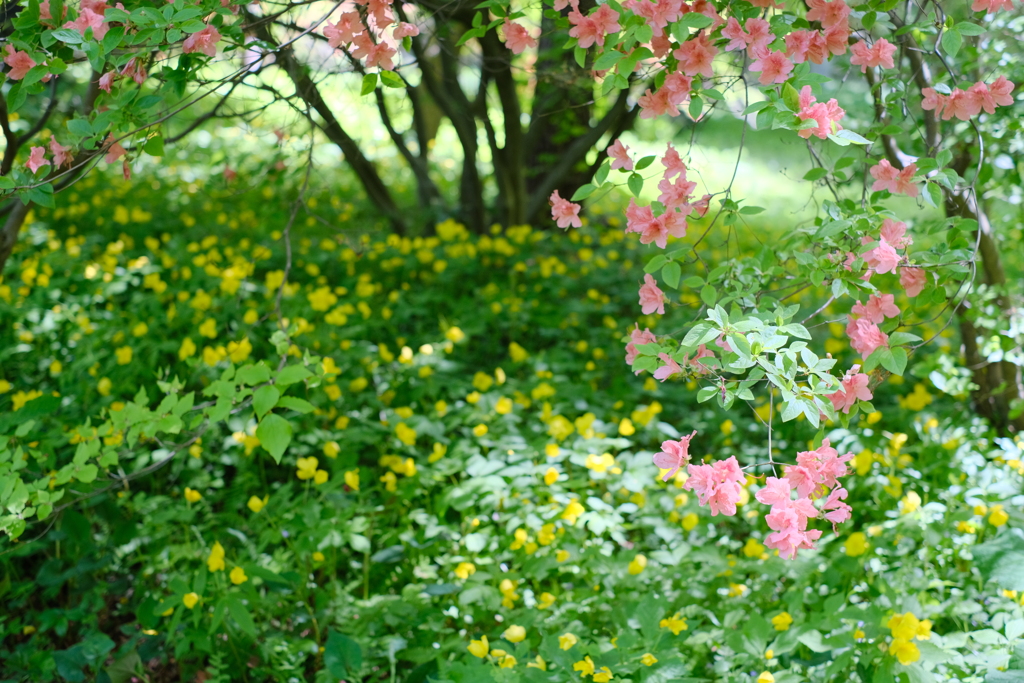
291, 374
708, 295
694, 20
87, 473
850, 136
756, 107
635, 183
265, 398
868, 20
696, 107
656, 263
644, 163
791, 97
391, 79
608, 60
751, 210
895, 361
69, 36
252, 375
274, 433
343, 657
583, 192
42, 195
580, 54
1001, 558
671, 274
951, 42
815, 174
369, 84
154, 146
240, 613
966, 28
297, 404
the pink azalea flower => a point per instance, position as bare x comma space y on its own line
1001, 89
20, 62
106, 80
619, 155
717, 485
880, 54
695, 56
517, 38
88, 18
37, 159
883, 258
673, 163
676, 194
933, 100
349, 25
698, 367
877, 308
837, 38
913, 280
854, 388
115, 151
707, 9
828, 13
670, 367
381, 56
888, 177
991, 6
825, 466
678, 88
651, 297
638, 338
840, 511
204, 41
61, 154
894, 232
790, 539
564, 212
407, 30
673, 455
865, 336
775, 67
826, 115
588, 30
653, 105
961, 105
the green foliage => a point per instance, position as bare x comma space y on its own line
486, 460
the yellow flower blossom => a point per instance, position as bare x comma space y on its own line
637, 565
905, 651
215, 561
601, 463
437, 453
782, 621
910, 503
551, 476
573, 511
480, 430
352, 479
998, 516
306, 467
675, 623
690, 521
503, 406
390, 481
256, 503
562, 555
538, 663
190, 600
552, 450
464, 570
566, 641
545, 600
192, 496
648, 659
405, 434
238, 576
766, 677
857, 544
124, 355
603, 676
514, 634
753, 547
187, 349
626, 427
479, 648
585, 666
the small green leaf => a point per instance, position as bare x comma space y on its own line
583, 192
696, 107
240, 613
756, 107
635, 183
343, 658
369, 84
951, 42
708, 295
815, 174
291, 374
299, 405
154, 146
264, 399
645, 162
274, 434
671, 274
391, 79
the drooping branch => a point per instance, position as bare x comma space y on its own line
364, 169
576, 152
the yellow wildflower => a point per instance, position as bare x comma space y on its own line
238, 576
215, 562
190, 600
514, 634
857, 544
782, 621
479, 648
192, 496
464, 570
566, 641
638, 564
675, 623
585, 666
256, 504
648, 659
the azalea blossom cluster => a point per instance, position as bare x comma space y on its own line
676, 196
361, 32
814, 479
963, 104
